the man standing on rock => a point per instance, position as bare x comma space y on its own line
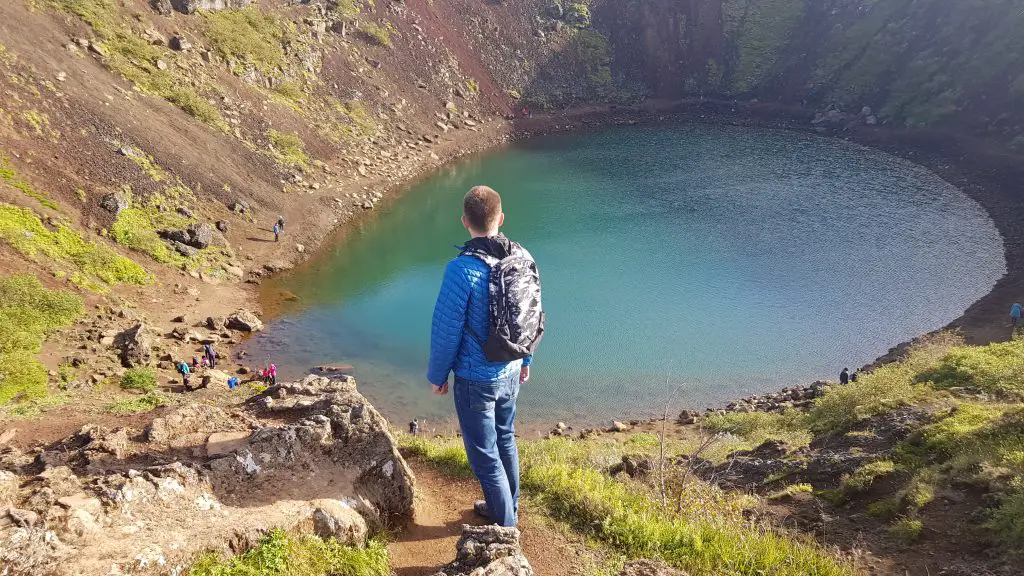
487, 323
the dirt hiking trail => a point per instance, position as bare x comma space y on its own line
444, 504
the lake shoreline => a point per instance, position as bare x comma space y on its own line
983, 172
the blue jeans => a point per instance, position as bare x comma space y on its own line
487, 413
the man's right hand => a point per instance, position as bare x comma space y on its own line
440, 390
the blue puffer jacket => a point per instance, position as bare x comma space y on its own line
464, 298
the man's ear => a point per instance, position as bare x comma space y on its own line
464, 223
501, 220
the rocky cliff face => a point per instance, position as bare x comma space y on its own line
934, 63
202, 478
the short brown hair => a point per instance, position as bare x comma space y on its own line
482, 206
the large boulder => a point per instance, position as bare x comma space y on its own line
114, 202
136, 346
488, 551
338, 520
244, 321
200, 235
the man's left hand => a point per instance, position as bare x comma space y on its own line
524, 374
440, 390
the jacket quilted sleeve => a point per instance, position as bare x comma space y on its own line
449, 322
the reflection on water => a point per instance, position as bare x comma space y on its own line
716, 261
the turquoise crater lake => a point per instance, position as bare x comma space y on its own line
715, 262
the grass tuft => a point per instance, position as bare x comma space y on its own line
997, 369
138, 404
906, 530
284, 554
248, 35
756, 427
379, 35
288, 149
143, 379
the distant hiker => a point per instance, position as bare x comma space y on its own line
414, 427
1015, 313
211, 356
205, 362
184, 371
853, 377
490, 355
277, 233
195, 362
272, 372
280, 222
265, 375
844, 376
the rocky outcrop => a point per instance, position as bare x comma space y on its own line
336, 431
190, 425
488, 551
198, 236
107, 501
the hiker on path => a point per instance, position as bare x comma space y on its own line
490, 356
277, 232
211, 356
1015, 313
853, 377
414, 427
272, 373
844, 376
280, 222
184, 371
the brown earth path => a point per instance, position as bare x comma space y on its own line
444, 504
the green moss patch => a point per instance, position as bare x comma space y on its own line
996, 369
28, 312
248, 35
96, 267
136, 228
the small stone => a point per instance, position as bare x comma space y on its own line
62, 76
300, 248
161, 65
619, 427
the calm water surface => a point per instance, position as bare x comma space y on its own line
709, 262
